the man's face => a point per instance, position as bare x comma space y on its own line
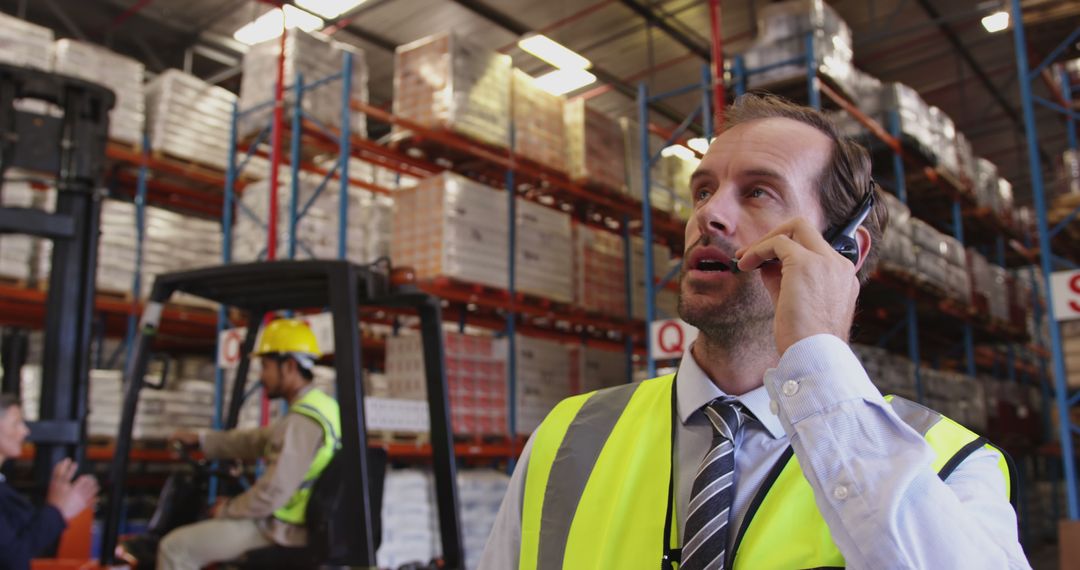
271, 376
754, 177
13, 432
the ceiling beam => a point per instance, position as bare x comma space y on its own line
954, 39
674, 33
517, 28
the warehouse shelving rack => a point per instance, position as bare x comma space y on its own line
1048, 260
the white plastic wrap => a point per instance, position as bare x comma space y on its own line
121, 74
25, 44
189, 118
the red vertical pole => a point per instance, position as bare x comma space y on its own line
275, 146
718, 63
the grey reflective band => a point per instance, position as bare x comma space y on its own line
322, 419
570, 471
919, 417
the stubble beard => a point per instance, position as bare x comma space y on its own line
739, 317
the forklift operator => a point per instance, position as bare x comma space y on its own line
296, 447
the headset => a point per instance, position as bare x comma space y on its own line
841, 237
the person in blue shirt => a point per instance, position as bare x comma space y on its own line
26, 531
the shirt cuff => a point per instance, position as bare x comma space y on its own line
816, 374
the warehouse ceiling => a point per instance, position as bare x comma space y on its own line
938, 47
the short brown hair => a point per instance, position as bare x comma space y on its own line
846, 178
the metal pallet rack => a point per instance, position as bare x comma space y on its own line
1045, 234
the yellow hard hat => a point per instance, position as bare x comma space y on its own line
285, 336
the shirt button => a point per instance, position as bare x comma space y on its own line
790, 388
840, 492
774, 407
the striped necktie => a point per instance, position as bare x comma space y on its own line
705, 531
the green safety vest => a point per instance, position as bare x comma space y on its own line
597, 483
324, 410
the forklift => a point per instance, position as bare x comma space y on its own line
344, 535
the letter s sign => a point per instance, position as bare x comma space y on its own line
1065, 290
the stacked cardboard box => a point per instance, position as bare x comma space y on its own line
544, 369
410, 531
448, 82
450, 226
944, 141
25, 44
160, 412
475, 375
316, 57
783, 31
941, 261
660, 195
596, 369
594, 147
1070, 172
23, 257
898, 248
992, 191
673, 175
891, 373
121, 74
189, 118
599, 271
538, 123
667, 301
1070, 346
367, 232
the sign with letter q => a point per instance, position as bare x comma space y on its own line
670, 338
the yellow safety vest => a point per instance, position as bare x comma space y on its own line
320, 407
597, 484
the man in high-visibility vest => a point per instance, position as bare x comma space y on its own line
296, 447
770, 448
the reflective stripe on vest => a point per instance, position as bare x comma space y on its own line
320, 407
597, 481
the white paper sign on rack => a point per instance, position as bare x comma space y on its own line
669, 338
1065, 289
231, 341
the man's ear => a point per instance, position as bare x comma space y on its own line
862, 237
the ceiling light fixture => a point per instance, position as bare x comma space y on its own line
268, 26
996, 22
563, 81
553, 52
329, 9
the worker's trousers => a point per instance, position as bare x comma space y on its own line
194, 546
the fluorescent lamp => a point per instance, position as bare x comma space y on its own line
699, 144
679, 151
996, 22
553, 52
268, 26
563, 81
329, 9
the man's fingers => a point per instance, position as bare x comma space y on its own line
801, 231
779, 247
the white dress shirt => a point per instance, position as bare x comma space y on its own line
870, 471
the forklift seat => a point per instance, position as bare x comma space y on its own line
324, 526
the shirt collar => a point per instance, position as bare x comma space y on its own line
695, 389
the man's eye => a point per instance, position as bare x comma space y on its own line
756, 193
701, 195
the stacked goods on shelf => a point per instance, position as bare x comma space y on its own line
315, 56
25, 44
990, 285
672, 174
189, 118
660, 197
945, 144
410, 531
189, 406
24, 257
163, 231
1070, 173
956, 395
782, 36
367, 234
410, 527
596, 369
30, 391
992, 191
121, 74
475, 375
544, 369
594, 147
1070, 346
1013, 412
891, 373
667, 301
912, 113
940, 261
446, 82
1030, 279
898, 248
450, 226
599, 271
538, 123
